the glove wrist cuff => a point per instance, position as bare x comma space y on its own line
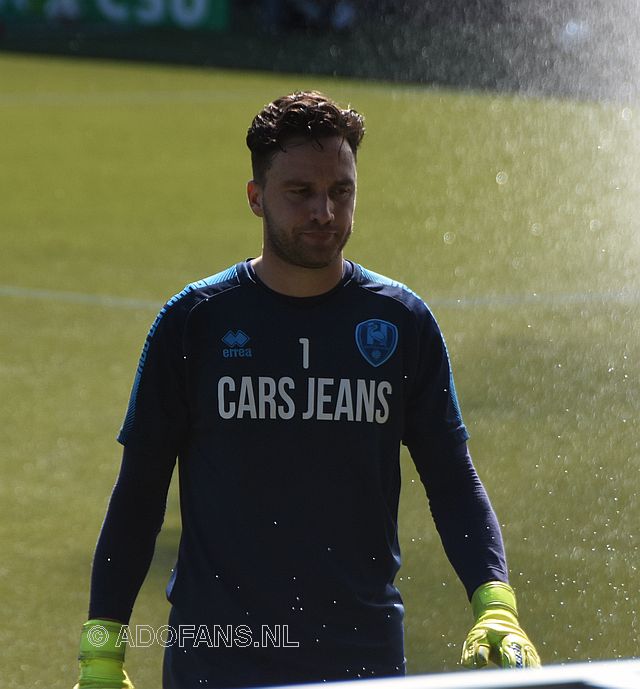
102, 639
493, 594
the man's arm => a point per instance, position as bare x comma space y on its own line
473, 543
128, 535
463, 516
121, 562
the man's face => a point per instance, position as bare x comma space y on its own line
307, 202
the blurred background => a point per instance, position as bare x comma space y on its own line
582, 48
499, 178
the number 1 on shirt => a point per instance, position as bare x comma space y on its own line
304, 341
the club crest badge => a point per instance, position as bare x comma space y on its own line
377, 340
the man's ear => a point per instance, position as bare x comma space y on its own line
254, 195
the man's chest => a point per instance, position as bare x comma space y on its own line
345, 364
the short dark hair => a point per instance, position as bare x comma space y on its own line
303, 114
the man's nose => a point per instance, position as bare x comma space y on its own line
323, 210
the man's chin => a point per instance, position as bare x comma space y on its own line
314, 260
310, 255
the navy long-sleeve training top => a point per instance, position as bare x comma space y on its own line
287, 415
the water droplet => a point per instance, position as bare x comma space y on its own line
502, 177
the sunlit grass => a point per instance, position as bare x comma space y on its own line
129, 181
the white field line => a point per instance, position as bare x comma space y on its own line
78, 298
541, 299
629, 297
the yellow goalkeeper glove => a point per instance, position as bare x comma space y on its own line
102, 657
497, 635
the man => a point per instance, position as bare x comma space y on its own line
285, 385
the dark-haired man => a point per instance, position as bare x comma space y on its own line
285, 385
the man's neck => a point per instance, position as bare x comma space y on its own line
296, 281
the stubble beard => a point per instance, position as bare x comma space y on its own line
292, 250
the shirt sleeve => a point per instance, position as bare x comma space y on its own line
128, 535
436, 437
432, 413
463, 515
156, 417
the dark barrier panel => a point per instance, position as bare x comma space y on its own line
182, 14
548, 47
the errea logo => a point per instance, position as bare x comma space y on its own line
236, 341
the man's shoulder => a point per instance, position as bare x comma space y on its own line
226, 279
207, 287
388, 287
181, 304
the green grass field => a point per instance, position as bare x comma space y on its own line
516, 219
